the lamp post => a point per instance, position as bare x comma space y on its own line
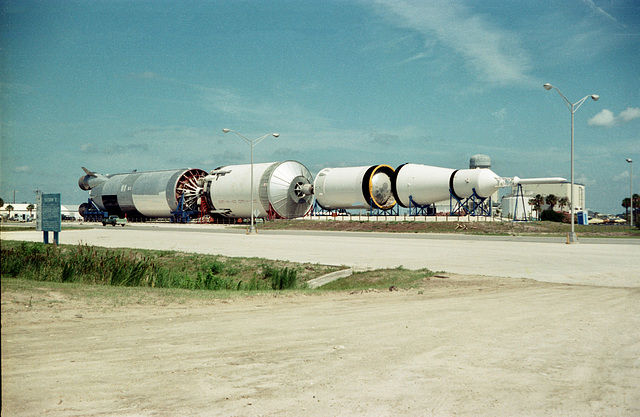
630, 191
252, 143
572, 238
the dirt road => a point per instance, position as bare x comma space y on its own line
477, 346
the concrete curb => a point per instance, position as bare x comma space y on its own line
325, 279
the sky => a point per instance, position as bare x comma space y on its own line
120, 85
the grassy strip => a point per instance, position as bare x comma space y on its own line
48, 294
39, 293
144, 268
12, 226
479, 227
380, 279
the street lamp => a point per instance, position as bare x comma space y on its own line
572, 238
631, 191
252, 143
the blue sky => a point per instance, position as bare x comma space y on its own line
120, 85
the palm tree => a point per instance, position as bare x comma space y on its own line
564, 201
636, 205
9, 208
536, 202
551, 200
30, 207
626, 205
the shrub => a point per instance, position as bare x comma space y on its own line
281, 279
216, 267
552, 216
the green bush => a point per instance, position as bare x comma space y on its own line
216, 267
281, 279
552, 216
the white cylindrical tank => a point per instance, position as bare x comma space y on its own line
415, 184
355, 188
479, 161
281, 189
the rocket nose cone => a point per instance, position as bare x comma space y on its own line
488, 183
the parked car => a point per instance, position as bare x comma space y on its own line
113, 220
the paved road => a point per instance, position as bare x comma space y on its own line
605, 262
509, 238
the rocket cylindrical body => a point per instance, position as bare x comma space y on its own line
152, 194
355, 187
415, 184
282, 188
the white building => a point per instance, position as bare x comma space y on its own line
517, 206
20, 211
559, 190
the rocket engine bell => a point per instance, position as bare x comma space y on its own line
91, 180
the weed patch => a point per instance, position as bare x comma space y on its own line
131, 268
380, 279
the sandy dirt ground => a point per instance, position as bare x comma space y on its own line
474, 346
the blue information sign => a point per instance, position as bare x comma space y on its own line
49, 213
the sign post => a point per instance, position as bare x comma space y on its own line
49, 215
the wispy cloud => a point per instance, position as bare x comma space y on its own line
284, 113
629, 114
584, 180
147, 75
384, 139
623, 176
606, 118
153, 76
500, 114
493, 53
89, 148
92, 148
420, 55
237, 105
600, 12
14, 88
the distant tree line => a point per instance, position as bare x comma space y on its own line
636, 207
550, 213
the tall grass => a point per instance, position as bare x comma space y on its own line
99, 266
281, 279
